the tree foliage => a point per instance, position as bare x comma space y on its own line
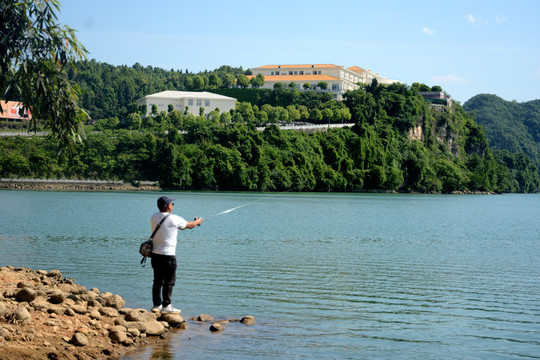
36, 55
509, 125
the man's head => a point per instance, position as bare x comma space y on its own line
163, 203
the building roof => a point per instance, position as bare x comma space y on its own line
298, 66
357, 69
186, 94
298, 78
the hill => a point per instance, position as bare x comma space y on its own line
398, 143
508, 125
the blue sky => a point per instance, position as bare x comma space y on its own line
467, 47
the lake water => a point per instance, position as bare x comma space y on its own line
327, 276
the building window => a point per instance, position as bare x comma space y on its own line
335, 87
301, 72
190, 102
290, 72
199, 102
206, 102
272, 73
277, 72
296, 73
341, 74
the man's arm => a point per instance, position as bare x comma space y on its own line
192, 224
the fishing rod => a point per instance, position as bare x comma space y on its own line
238, 207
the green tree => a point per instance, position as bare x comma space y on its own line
257, 81
228, 81
323, 85
306, 86
133, 121
35, 55
242, 81
214, 81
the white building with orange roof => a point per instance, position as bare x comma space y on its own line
338, 78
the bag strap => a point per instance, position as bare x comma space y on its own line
158, 226
143, 260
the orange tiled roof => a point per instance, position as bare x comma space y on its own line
357, 69
298, 66
298, 78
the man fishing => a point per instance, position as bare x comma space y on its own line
164, 252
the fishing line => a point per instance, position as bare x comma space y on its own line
238, 207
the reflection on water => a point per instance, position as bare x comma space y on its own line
340, 276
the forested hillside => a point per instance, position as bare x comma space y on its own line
399, 142
509, 125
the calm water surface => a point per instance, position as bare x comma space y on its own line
328, 276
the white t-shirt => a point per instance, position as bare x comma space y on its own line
164, 241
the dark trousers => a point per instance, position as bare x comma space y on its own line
164, 278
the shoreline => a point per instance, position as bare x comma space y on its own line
46, 316
75, 185
105, 185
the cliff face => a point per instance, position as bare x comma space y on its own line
442, 125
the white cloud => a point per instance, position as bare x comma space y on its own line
471, 19
449, 79
428, 31
475, 19
500, 20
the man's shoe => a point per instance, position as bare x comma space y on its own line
169, 309
157, 308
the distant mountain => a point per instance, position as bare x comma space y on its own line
508, 125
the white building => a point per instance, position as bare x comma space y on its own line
192, 101
338, 78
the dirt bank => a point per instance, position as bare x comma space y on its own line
45, 316
74, 185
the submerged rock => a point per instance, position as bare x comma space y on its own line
248, 320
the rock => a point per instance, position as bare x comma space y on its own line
94, 290
2, 308
216, 327
26, 294
248, 320
55, 273
139, 325
22, 284
94, 314
42, 272
121, 321
79, 339
118, 336
173, 320
143, 315
154, 328
22, 315
39, 304
56, 309
115, 301
57, 297
134, 332
108, 311
205, 317
70, 312
127, 342
79, 309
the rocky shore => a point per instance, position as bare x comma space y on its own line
75, 185
46, 316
